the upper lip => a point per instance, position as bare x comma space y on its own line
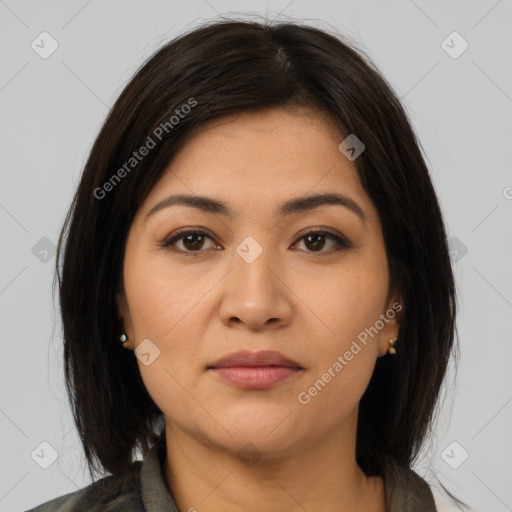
247, 358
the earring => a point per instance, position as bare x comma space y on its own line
391, 349
124, 339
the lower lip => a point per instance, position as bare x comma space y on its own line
255, 377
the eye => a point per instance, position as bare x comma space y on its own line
316, 241
193, 240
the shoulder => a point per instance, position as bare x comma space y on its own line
115, 493
406, 491
63, 503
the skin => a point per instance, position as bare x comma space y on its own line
308, 304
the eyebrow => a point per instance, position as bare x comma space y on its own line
290, 207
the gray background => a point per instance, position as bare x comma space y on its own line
52, 109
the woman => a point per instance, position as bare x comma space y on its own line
257, 226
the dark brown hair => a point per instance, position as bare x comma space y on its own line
223, 68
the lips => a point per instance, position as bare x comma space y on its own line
245, 358
255, 370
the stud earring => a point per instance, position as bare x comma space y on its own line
391, 349
124, 340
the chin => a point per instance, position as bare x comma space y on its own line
269, 439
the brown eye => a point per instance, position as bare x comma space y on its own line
315, 241
192, 241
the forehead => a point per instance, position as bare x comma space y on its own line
261, 159
284, 127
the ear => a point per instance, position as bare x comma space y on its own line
392, 318
124, 316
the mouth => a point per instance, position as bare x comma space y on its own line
256, 377
260, 370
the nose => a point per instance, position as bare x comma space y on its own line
255, 295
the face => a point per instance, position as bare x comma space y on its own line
310, 282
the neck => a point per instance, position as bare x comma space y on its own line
323, 476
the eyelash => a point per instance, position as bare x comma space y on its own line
342, 243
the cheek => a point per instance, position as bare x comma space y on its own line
347, 300
161, 297
341, 371
348, 304
164, 304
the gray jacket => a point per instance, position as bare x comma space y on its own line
143, 489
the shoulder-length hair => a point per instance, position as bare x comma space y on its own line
228, 67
